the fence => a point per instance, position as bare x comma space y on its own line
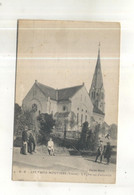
69, 134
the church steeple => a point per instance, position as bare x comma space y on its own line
96, 92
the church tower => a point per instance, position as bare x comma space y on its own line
96, 92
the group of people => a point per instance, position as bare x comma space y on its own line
104, 151
28, 146
28, 142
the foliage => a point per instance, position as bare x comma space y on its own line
25, 119
21, 119
65, 120
46, 123
113, 131
17, 113
96, 136
89, 138
83, 138
59, 123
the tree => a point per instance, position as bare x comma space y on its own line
17, 113
90, 139
46, 123
96, 136
59, 123
21, 119
83, 138
25, 119
113, 131
17, 110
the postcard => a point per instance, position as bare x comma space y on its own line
66, 101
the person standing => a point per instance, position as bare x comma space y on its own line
31, 142
50, 147
24, 141
107, 153
99, 152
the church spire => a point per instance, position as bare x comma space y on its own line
96, 92
99, 50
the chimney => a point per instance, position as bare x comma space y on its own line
36, 81
83, 83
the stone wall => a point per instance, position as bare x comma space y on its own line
82, 106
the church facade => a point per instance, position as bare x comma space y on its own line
69, 102
63, 103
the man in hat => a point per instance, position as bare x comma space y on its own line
31, 142
24, 141
99, 152
108, 151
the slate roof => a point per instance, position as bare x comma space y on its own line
66, 93
58, 94
62, 114
48, 91
105, 124
97, 110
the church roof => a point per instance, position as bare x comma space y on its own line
58, 94
97, 110
105, 125
62, 114
66, 93
48, 91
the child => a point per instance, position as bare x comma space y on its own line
50, 147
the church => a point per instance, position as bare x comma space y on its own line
69, 103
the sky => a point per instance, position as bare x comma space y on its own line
63, 53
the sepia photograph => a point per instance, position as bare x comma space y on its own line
66, 101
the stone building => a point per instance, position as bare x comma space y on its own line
61, 103
67, 103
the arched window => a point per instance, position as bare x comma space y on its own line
64, 108
93, 94
34, 107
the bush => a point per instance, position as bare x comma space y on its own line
46, 123
21, 119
